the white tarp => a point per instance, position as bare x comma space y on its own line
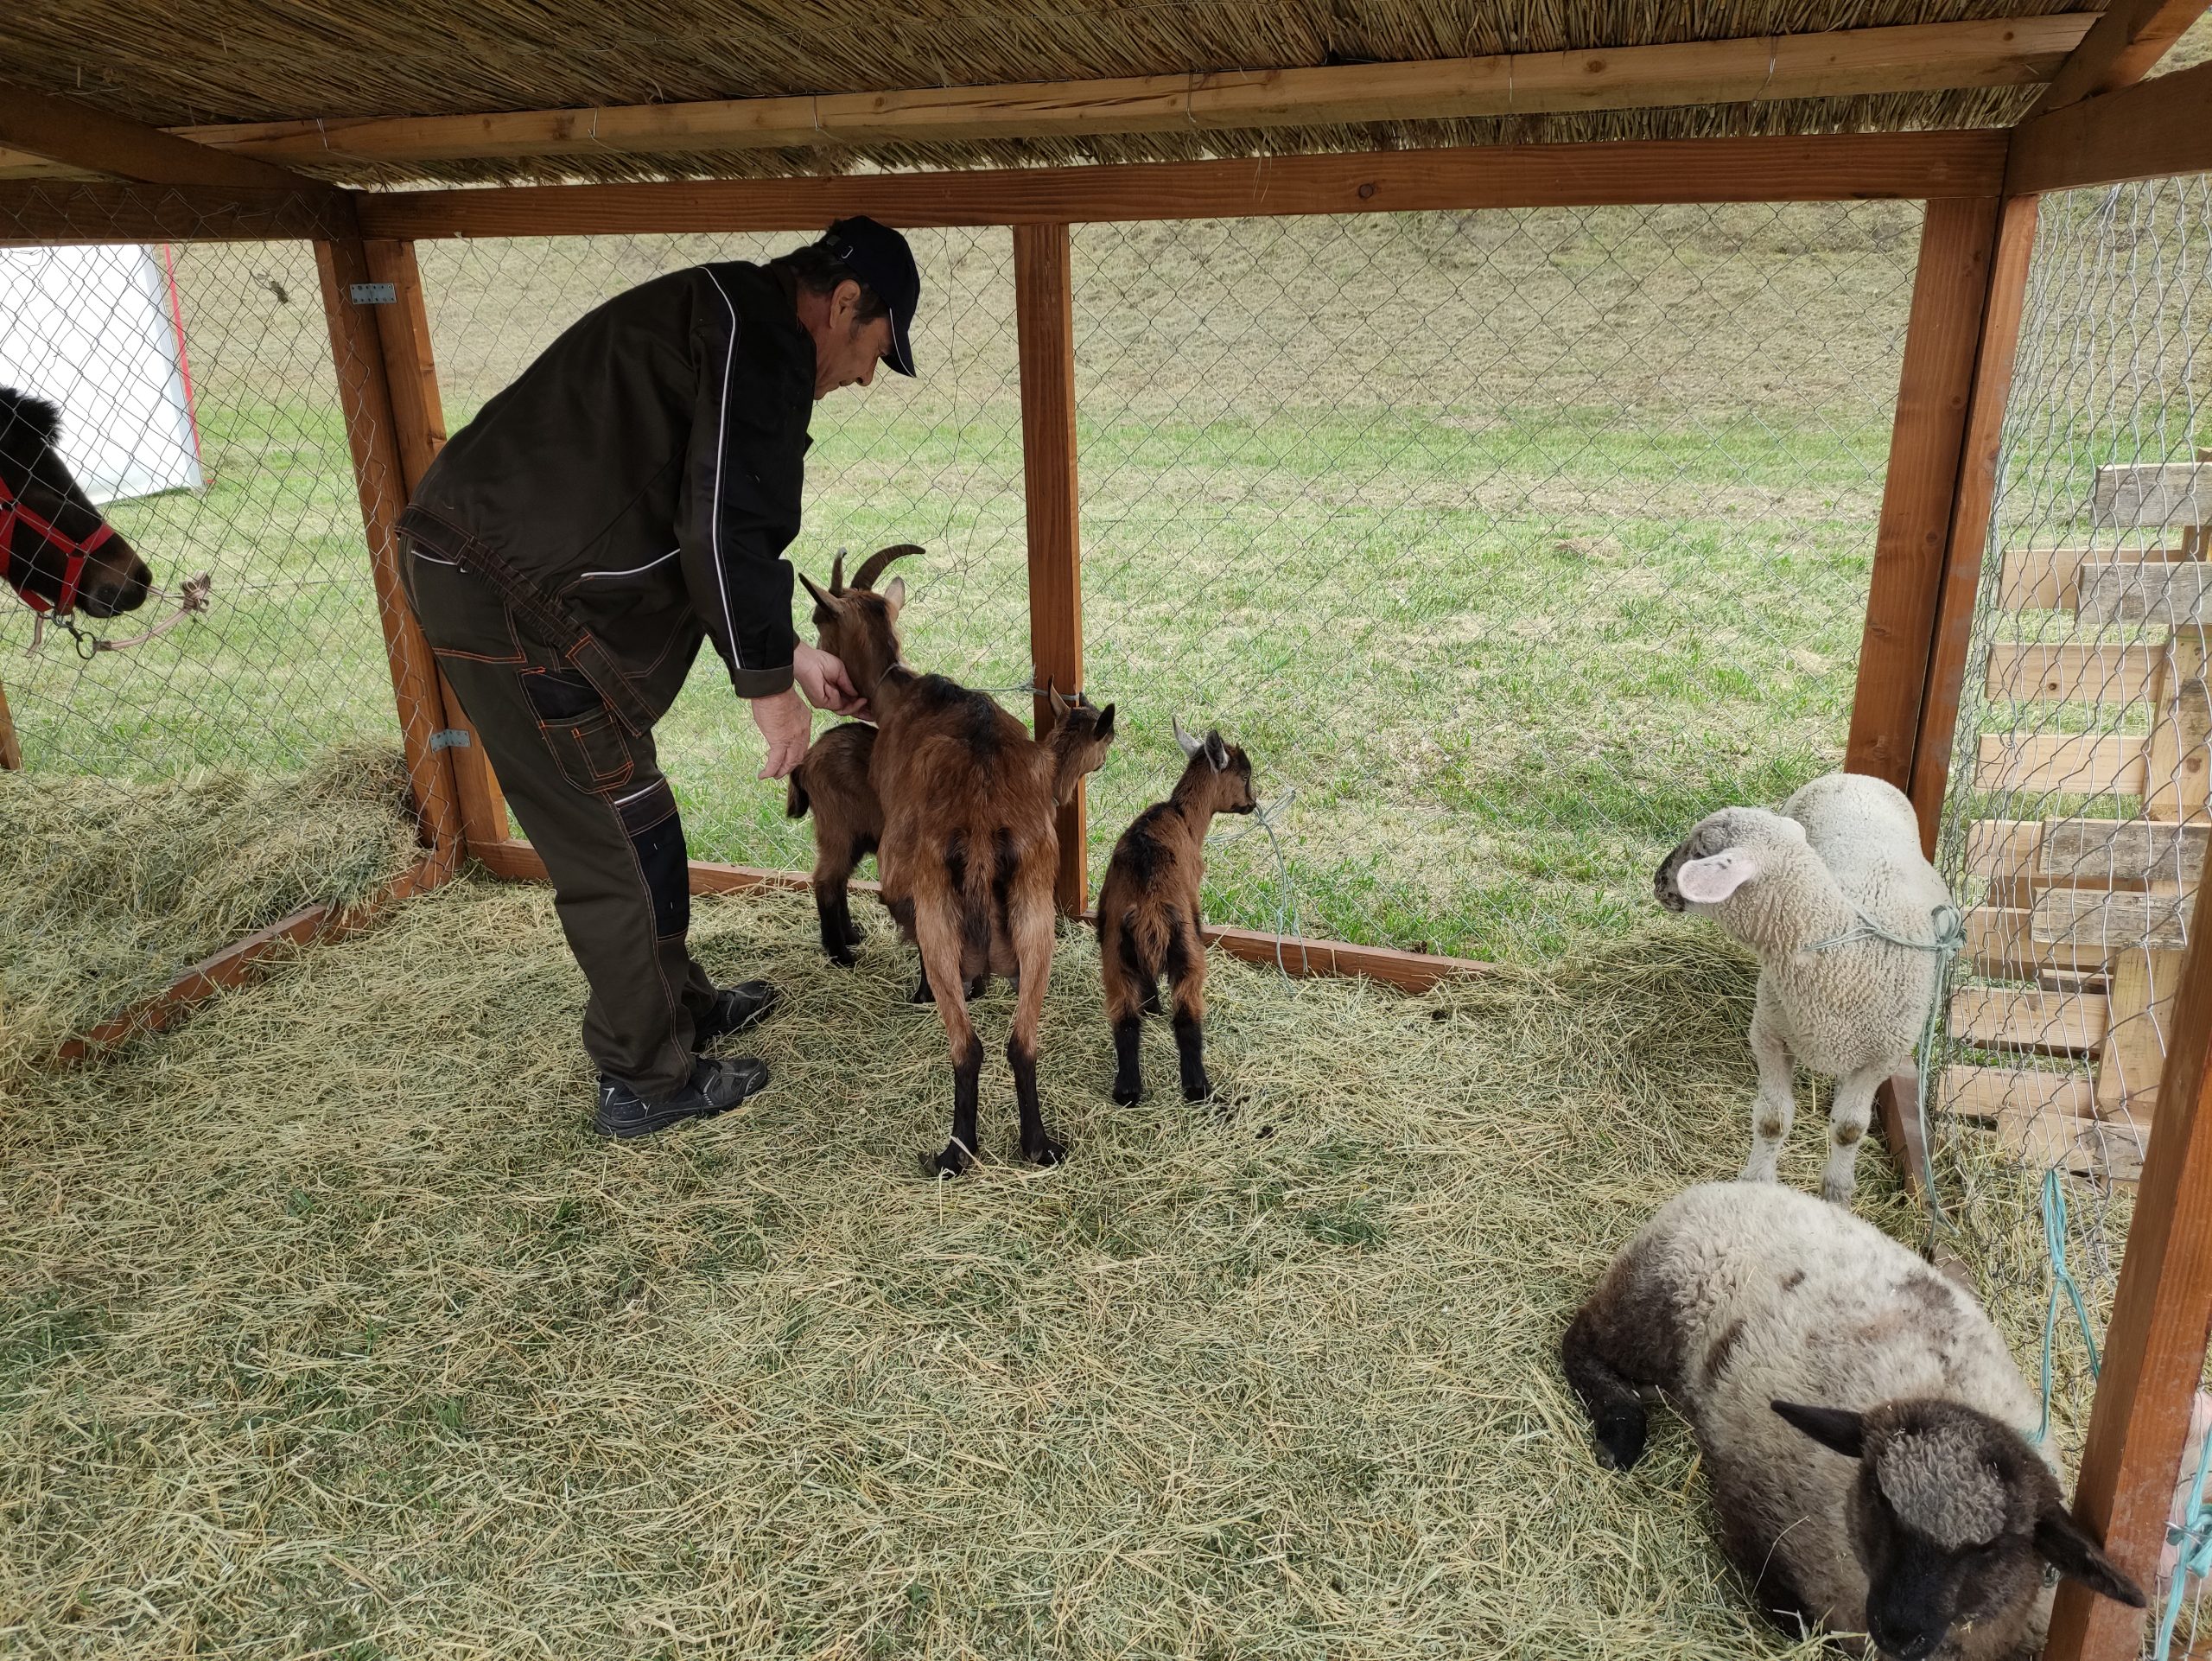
96, 331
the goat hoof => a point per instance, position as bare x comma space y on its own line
1047, 1152
844, 958
1201, 1092
854, 934
921, 994
952, 1163
1127, 1095
977, 987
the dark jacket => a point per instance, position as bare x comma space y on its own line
645, 471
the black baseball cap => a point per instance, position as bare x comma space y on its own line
878, 256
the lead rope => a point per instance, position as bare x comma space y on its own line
2055, 1231
2191, 1539
1950, 930
191, 602
1265, 817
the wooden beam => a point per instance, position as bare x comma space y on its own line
365, 396
1934, 387
1410, 971
65, 213
1819, 168
2174, 593
1974, 489
2119, 50
79, 135
237, 963
2155, 1345
1839, 63
419, 425
1044, 317
11, 748
2150, 131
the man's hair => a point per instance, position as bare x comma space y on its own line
818, 270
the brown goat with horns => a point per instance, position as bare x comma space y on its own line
1148, 912
832, 784
968, 850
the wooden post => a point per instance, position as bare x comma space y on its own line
11, 749
2154, 1349
365, 396
1044, 311
1942, 337
1970, 509
419, 424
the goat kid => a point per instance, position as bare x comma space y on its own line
1148, 912
832, 784
968, 850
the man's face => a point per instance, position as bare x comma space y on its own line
846, 350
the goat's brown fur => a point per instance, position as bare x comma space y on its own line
968, 850
1148, 912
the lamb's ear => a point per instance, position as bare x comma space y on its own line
1189, 745
1708, 881
2072, 1552
1216, 752
1836, 1428
1105, 728
895, 595
826, 606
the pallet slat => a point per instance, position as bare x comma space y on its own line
2166, 594
1986, 1095
2001, 946
2071, 674
2085, 919
2048, 579
2073, 764
2149, 495
2122, 851
2014, 1018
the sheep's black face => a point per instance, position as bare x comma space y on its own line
1709, 838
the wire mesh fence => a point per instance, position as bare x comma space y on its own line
2074, 826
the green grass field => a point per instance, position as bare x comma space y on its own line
1511, 543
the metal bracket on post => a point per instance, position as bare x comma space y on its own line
447, 738
374, 294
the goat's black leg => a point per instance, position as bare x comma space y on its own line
922, 994
967, 1076
831, 905
1190, 1052
1129, 1071
1186, 972
1037, 1144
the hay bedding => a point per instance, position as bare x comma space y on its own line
326, 1328
109, 890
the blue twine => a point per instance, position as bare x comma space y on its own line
2193, 1537
1950, 939
2054, 1240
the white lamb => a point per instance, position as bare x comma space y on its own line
1923, 1516
1799, 887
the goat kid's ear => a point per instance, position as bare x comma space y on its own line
1835, 1427
1709, 882
895, 595
2072, 1552
1106, 721
1216, 752
1189, 745
1060, 705
826, 606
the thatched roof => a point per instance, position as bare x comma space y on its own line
226, 61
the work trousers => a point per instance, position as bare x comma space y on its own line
590, 796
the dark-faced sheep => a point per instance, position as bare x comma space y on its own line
1148, 912
1864, 1427
969, 850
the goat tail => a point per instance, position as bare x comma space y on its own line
795, 798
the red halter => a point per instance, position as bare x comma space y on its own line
72, 572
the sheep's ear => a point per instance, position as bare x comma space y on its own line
1836, 1428
1060, 705
1105, 728
826, 606
1190, 746
2072, 1552
1216, 752
895, 595
1709, 882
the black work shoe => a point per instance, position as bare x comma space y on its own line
735, 1009
715, 1087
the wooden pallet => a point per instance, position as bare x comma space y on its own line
2075, 940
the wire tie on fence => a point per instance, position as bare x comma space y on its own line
2191, 1539
2055, 1229
1265, 817
1950, 933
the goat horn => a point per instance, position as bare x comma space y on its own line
838, 573
872, 567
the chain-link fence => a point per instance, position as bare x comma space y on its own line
2075, 828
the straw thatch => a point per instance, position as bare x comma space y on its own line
227, 60
109, 889
327, 1329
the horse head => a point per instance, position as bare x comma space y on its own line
56, 550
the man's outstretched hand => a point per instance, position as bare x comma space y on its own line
826, 683
787, 723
